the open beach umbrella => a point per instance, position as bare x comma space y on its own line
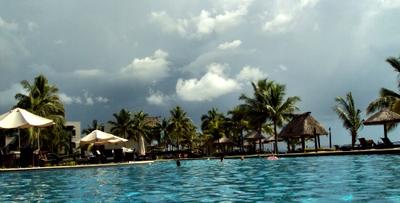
21, 118
97, 136
383, 117
302, 126
114, 140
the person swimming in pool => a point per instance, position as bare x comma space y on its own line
178, 161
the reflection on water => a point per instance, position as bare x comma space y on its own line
311, 179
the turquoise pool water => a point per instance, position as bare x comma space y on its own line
374, 178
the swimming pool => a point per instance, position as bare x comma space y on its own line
307, 179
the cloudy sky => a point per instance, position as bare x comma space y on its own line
154, 55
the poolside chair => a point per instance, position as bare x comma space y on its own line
388, 143
108, 155
366, 144
118, 155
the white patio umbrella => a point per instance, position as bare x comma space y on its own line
97, 136
114, 140
21, 118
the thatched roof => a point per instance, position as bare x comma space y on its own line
382, 117
271, 138
223, 140
303, 125
152, 121
254, 136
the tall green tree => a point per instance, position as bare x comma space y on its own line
141, 126
41, 98
94, 126
213, 124
351, 116
239, 124
122, 125
180, 124
269, 103
164, 134
388, 98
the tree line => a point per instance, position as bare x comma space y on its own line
265, 111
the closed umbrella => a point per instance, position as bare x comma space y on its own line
21, 118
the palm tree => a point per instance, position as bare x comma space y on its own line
95, 126
238, 123
388, 98
212, 123
350, 115
122, 126
164, 134
42, 99
268, 103
179, 124
141, 129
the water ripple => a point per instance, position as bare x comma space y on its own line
313, 179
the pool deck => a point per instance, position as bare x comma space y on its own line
289, 155
339, 153
76, 166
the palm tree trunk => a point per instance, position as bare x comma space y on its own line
241, 140
353, 139
276, 138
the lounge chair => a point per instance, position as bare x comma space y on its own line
118, 155
108, 155
388, 143
366, 144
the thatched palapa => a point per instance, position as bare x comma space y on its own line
383, 117
254, 136
223, 140
303, 126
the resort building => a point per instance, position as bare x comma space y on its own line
73, 129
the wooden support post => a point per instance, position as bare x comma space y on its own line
330, 138
315, 140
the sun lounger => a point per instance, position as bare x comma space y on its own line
366, 144
388, 143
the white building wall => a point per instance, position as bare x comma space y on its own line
76, 138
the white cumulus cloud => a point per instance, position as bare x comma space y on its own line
279, 23
230, 45
157, 98
150, 68
210, 86
85, 99
249, 73
207, 22
89, 72
286, 15
8, 25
